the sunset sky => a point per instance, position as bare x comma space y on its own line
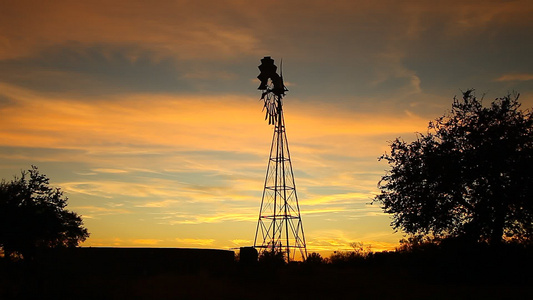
147, 113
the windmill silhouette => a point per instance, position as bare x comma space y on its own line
279, 227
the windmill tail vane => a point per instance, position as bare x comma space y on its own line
281, 77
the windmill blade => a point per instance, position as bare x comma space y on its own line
273, 89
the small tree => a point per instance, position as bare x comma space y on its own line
469, 176
361, 250
314, 258
33, 216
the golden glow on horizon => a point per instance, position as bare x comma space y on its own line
163, 123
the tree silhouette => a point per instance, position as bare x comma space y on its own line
314, 258
469, 176
33, 216
272, 258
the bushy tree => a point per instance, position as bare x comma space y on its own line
469, 176
33, 216
314, 258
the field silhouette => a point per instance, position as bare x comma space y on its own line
453, 271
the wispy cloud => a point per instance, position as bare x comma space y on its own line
112, 171
91, 212
515, 77
198, 242
240, 242
339, 198
217, 218
150, 242
163, 203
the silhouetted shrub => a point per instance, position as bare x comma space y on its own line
272, 258
314, 259
346, 258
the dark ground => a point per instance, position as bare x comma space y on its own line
425, 275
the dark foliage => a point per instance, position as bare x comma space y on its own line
33, 217
469, 176
341, 258
272, 258
314, 259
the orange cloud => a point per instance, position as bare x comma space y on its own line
91, 212
150, 242
230, 29
187, 123
182, 29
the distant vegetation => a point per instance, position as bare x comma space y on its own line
469, 177
33, 217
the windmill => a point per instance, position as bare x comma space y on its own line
279, 227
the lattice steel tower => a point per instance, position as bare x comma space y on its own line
279, 228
